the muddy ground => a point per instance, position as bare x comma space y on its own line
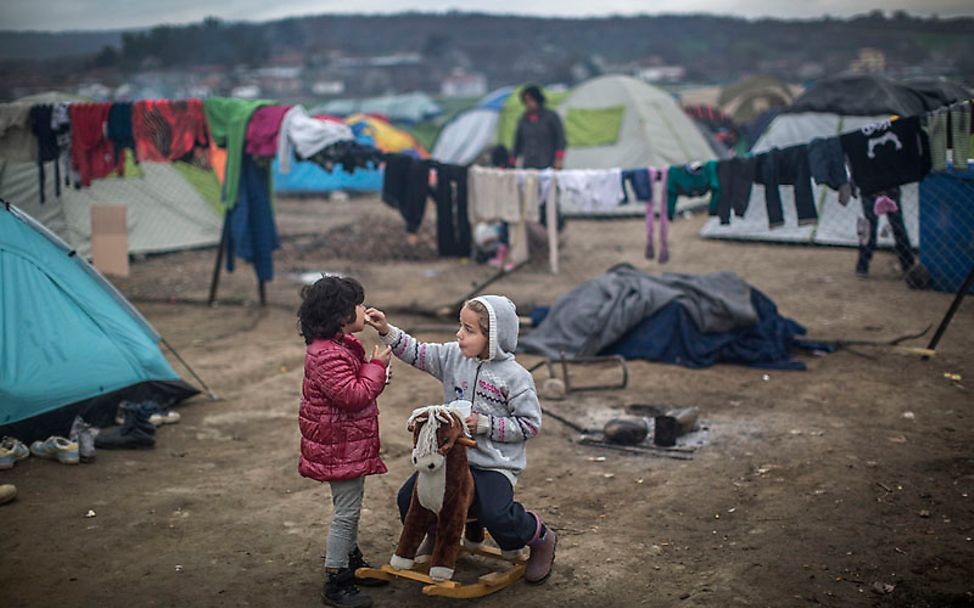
849, 484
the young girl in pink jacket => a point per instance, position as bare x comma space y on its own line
339, 421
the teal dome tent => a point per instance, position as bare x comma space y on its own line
70, 343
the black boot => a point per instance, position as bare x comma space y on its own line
136, 432
340, 590
355, 561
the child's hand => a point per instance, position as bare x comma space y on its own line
471, 422
383, 356
377, 319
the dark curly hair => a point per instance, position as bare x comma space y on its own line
534, 92
326, 304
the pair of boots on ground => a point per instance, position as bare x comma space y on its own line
340, 584
136, 430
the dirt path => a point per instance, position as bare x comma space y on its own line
814, 487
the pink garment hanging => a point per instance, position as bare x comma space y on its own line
883, 205
664, 225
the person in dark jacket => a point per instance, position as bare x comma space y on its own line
539, 141
339, 421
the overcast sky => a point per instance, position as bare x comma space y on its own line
59, 15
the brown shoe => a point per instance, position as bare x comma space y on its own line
538, 568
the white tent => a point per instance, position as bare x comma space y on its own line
164, 211
836, 224
469, 134
654, 131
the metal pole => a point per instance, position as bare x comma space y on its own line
213, 396
219, 261
952, 310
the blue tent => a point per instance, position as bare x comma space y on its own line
72, 344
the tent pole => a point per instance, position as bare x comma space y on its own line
952, 310
209, 392
219, 261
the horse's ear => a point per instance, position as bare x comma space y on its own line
418, 420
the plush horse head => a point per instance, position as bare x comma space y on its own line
436, 429
443, 491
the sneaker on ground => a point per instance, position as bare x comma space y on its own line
84, 434
56, 448
8, 492
166, 417
11, 451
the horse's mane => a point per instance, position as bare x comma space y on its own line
426, 442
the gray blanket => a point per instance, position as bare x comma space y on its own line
600, 311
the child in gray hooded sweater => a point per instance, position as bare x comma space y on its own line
480, 367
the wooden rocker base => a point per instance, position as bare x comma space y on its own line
486, 584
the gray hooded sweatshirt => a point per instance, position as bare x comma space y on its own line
499, 387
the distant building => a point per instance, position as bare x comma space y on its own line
246, 91
328, 87
870, 60
661, 73
463, 84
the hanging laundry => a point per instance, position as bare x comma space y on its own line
936, 130
251, 231
119, 128
92, 154
452, 221
692, 180
349, 155
61, 125
405, 186
263, 131
664, 251
168, 130
639, 179
960, 121
786, 167
494, 195
48, 148
736, 176
887, 154
307, 136
826, 162
17, 141
593, 189
227, 119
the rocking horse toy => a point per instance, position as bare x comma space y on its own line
442, 495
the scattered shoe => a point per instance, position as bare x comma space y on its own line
57, 448
164, 417
340, 590
12, 451
84, 434
355, 561
135, 432
8, 492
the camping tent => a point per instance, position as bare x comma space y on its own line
306, 177
166, 208
747, 98
836, 105
619, 121
71, 344
471, 133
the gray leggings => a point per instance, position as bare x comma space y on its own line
346, 496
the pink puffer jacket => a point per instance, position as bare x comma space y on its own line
339, 418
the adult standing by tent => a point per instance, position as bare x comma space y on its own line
539, 142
